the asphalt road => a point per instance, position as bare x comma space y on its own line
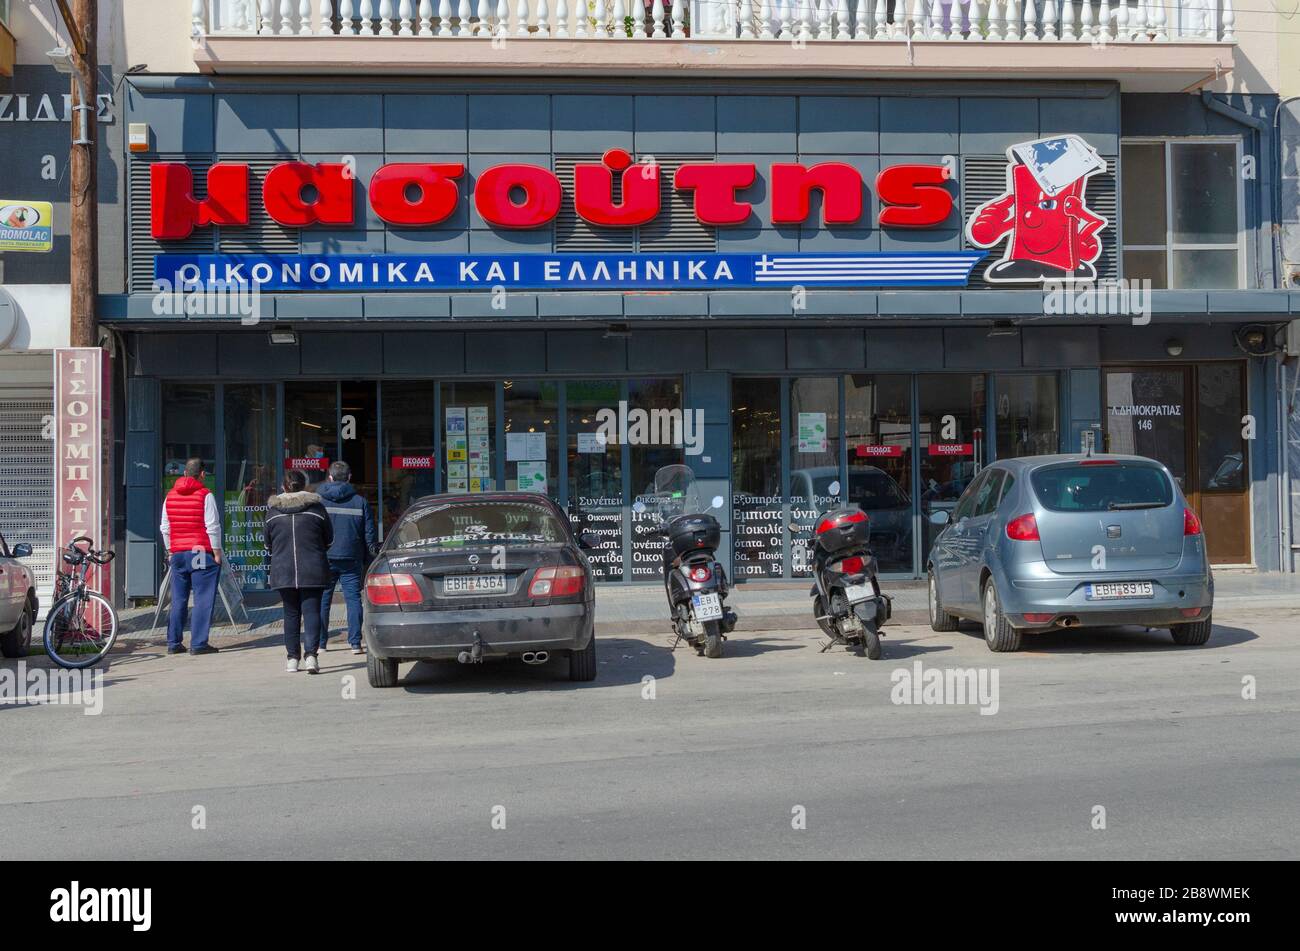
715, 766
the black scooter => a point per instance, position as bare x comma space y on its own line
847, 601
694, 581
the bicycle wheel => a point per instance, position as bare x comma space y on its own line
80, 630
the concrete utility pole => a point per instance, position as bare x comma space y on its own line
82, 22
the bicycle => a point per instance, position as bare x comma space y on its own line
82, 625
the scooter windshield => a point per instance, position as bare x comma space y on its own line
675, 493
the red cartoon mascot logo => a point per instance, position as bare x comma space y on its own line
1053, 233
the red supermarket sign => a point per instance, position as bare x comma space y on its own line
516, 195
307, 465
412, 462
879, 451
952, 449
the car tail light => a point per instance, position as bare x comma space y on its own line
851, 566
1099, 462
849, 518
556, 582
699, 572
1023, 529
1039, 618
1191, 523
1190, 612
393, 589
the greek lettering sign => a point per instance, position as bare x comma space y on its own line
414, 272
80, 419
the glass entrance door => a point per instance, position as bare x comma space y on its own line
951, 414
1190, 418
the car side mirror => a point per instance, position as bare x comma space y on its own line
588, 541
940, 517
22, 550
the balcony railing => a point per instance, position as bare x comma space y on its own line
1097, 22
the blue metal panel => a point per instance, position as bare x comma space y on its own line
668, 124
509, 123
991, 126
141, 458
844, 125
178, 122
971, 348
580, 305
513, 304
750, 124
141, 404
380, 306
919, 348
318, 307
425, 124
253, 355
591, 124
342, 123
1060, 346
680, 304
1096, 120
910, 124
257, 122
436, 240
174, 354
142, 569
749, 303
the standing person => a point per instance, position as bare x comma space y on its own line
298, 533
355, 540
191, 530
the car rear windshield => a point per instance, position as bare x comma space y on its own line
479, 523
1101, 487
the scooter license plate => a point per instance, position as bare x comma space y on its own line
859, 592
708, 607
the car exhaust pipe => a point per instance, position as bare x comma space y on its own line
1069, 621
540, 657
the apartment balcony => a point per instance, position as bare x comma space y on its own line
1148, 45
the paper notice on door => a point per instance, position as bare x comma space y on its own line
525, 447
478, 419
531, 476
455, 420
479, 469
812, 432
591, 443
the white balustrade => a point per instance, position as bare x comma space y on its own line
1065, 21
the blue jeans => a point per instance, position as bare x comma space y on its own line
348, 574
200, 574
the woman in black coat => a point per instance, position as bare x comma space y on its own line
298, 534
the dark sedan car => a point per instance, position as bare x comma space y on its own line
477, 577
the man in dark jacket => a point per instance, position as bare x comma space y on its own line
355, 540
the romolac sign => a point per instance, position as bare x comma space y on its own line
612, 193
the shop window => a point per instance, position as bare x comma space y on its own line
757, 503
468, 437
1182, 213
189, 430
814, 457
532, 425
878, 434
409, 457
654, 408
311, 434
250, 479
595, 473
1146, 412
1221, 451
1028, 415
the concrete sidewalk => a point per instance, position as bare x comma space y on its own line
762, 605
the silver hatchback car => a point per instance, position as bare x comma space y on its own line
1070, 541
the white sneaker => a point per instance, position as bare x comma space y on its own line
310, 665
358, 651
292, 666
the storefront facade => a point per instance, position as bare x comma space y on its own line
808, 291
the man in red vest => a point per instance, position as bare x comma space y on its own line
191, 530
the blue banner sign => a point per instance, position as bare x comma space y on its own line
459, 272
